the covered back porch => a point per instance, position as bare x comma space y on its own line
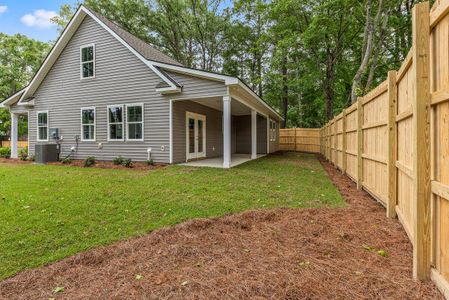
218, 131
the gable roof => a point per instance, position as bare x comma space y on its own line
153, 58
144, 49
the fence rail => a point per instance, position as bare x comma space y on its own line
300, 139
394, 143
21, 144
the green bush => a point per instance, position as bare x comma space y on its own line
127, 163
5, 152
149, 162
66, 161
118, 160
23, 154
89, 161
31, 158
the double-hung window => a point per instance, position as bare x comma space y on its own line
42, 126
88, 124
115, 123
134, 121
88, 61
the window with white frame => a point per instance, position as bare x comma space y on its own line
115, 123
88, 124
134, 122
273, 131
42, 126
88, 61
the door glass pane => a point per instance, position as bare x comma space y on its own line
200, 136
191, 135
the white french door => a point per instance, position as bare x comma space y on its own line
195, 136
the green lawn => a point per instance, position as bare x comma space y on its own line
51, 212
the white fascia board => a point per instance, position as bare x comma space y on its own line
228, 80
252, 93
11, 99
55, 52
145, 61
198, 73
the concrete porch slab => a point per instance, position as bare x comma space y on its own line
217, 162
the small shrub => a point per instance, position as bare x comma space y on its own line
149, 162
23, 154
31, 158
128, 163
66, 161
118, 160
5, 152
89, 161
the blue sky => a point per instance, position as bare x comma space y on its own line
30, 17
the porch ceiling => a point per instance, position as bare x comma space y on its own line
237, 108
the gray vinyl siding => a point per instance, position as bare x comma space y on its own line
214, 135
261, 135
195, 87
121, 78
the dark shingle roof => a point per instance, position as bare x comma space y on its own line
137, 44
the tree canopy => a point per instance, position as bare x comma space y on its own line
309, 59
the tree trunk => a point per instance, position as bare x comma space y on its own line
329, 88
284, 90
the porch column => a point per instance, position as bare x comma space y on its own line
226, 132
14, 135
253, 134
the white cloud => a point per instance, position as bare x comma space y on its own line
3, 9
39, 18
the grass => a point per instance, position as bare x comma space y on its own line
51, 212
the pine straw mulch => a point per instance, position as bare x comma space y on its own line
276, 254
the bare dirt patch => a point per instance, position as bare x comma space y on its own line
276, 254
110, 165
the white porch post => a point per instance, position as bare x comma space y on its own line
226, 132
253, 134
14, 135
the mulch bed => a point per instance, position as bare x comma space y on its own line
98, 164
275, 254
110, 165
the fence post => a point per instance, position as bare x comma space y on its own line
421, 158
343, 136
392, 145
295, 138
359, 143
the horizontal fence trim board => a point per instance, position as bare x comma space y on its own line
351, 108
439, 97
375, 93
405, 65
438, 13
440, 282
349, 131
404, 115
373, 158
440, 189
375, 124
404, 169
373, 194
404, 224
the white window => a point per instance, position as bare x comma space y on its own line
115, 123
42, 125
87, 58
134, 122
88, 124
273, 131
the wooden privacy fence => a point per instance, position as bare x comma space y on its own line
21, 144
300, 139
394, 143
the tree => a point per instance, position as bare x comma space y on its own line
20, 58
